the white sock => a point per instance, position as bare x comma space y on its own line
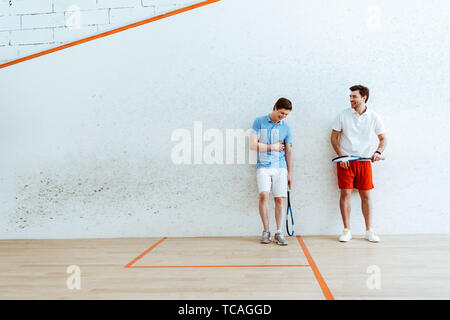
279, 231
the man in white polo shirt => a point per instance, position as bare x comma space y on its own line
351, 135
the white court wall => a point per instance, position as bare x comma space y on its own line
86, 131
31, 26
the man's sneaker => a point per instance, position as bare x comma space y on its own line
371, 236
265, 238
345, 236
279, 239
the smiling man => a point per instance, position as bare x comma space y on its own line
271, 137
351, 135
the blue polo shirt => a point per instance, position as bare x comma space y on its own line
270, 133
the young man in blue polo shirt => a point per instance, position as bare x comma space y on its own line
271, 137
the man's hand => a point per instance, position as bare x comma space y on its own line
344, 164
335, 143
376, 157
279, 146
289, 181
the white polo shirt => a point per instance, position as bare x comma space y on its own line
358, 131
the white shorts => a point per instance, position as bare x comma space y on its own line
275, 177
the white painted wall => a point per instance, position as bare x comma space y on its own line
31, 26
86, 132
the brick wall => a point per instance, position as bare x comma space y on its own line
30, 26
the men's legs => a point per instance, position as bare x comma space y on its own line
264, 184
345, 182
280, 216
264, 209
364, 185
345, 206
366, 207
279, 212
280, 194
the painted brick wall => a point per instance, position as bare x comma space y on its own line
30, 26
87, 142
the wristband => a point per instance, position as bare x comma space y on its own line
378, 152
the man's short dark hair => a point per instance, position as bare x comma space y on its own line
283, 103
363, 91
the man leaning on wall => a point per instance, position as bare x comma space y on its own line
351, 135
271, 137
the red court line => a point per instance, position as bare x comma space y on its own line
129, 265
227, 266
326, 291
107, 33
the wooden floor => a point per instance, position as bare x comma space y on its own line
310, 267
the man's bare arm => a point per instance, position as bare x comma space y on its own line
289, 157
335, 142
381, 146
262, 147
383, 142
290, 162
337, 148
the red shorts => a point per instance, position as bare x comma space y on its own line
358, 175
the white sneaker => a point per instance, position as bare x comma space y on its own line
345, 236
371, 236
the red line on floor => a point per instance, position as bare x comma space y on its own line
227, 266
323, 285
129, 265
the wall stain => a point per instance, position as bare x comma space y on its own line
104, 191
